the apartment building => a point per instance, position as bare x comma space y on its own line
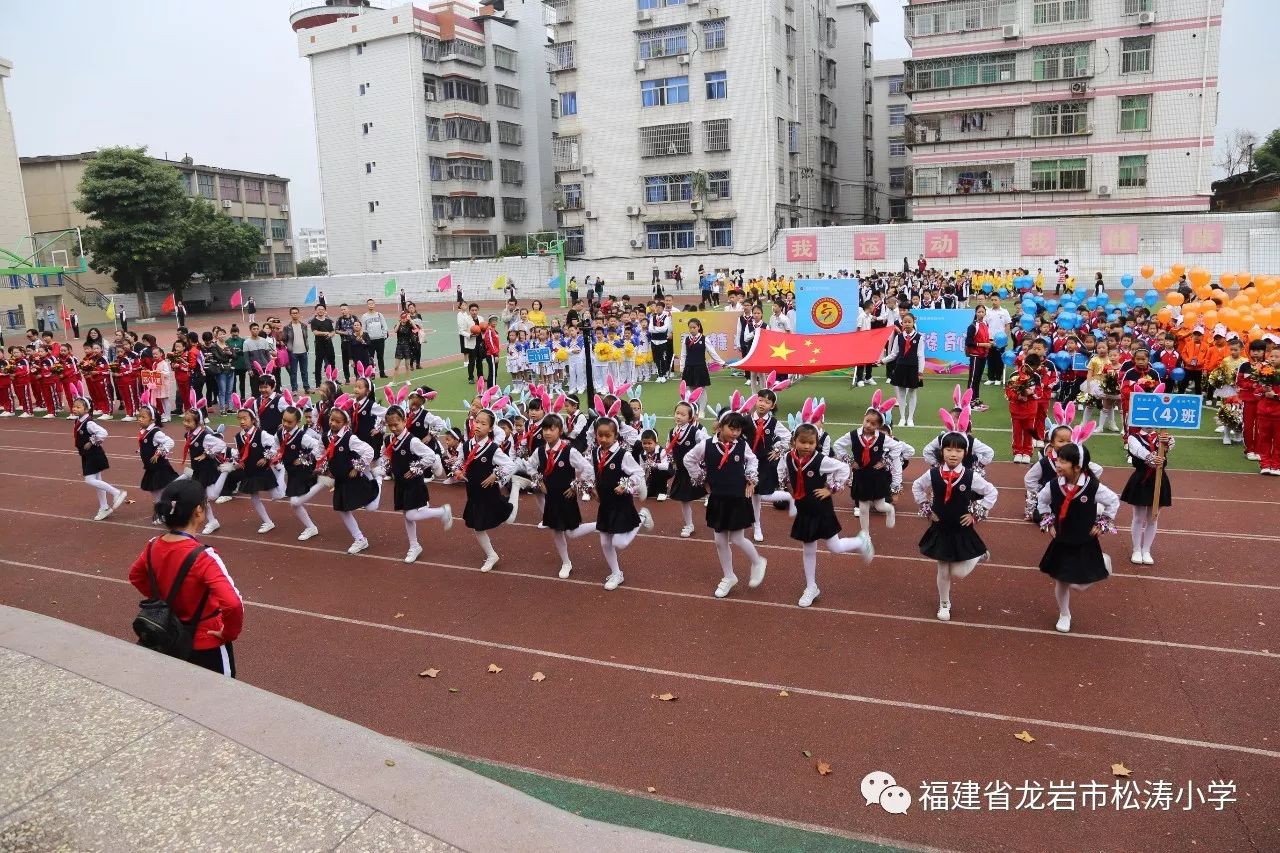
892, 157
53, 184
433, 127
15, 229
310, 245
700, 127
1061, 107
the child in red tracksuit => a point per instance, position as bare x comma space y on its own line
1044, 394
1266, 380
1023, 391
20, 366
69, 380
124, 373
44, 382
1250, 394
492, 346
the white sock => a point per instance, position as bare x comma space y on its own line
562, 545
913, 397
723, 552
260, 509
755, 508
215, 491
483, 538
1149, 533
302, 499
1062, 593
423, 513
809, 560
864, 515
622, 541
686, 512
208, 511
353, 527
845, 544
411, 530
581, 530
962, 569
610, 553
99, 487
301, 512
1085, 415
882, 505
739, 539
944, 584
1138, 525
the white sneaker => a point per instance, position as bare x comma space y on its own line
267, 527
857, 511
1147, 559
358, 546
128, 418
1253, 457
104, 417
661, 498
757, 572
725, 585
868, 549
541, 526
872, 381
613, 581
686, 531
47, 417
224, 499
71, 417
944, 612
646, 519
1136, 558
565, 569
911, 422
103, 514
446, 520
1220, 428
989, 382
890, 516
25, 415
119, 501
489, 562
415, 551
758, 534
810, 595
791, 508
211, 528
1064, 624
6, 414
309, 533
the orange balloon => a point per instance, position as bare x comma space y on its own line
1210, 317
1244, 278
1250, 295
1199, 277
1228, 316
1173, 297
1227, 279
1164, 316
1147, 272
1178, 269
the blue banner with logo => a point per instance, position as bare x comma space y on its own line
826, 305
942, 338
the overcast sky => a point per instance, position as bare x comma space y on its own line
221, 80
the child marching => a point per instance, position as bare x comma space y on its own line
867, 452
485, 469
769, 439
558, 472
346, 467
255, 448
410, 464
298, 448
1148, 451
88, 436
617, 479
154, 448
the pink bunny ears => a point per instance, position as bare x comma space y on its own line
740, 404
687, 396
331, 373
1081, 434
611, 412
490, 397
269, 366
772, 383
955, 423
962, 399
1064, 415
813, 411
616, 389
881, 405
395, 398
363, 372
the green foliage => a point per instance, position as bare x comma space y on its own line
208, 243
313, 266
1266, 157
511, 250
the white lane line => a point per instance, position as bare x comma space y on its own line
722, 680
867, 614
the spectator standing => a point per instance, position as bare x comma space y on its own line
375, 326
678, 275
999, 322
74, 319
320, 303
251, 309
470, 340
258, 349
295, 341
343, 326
322, 332
235, 343
420, 335
123, 317
361, 346
180, 312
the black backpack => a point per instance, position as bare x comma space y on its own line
156, 625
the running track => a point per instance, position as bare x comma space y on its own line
1171, 669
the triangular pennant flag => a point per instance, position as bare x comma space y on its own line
390, 289
169, 305
554, 282
311, 296
500, 282
445, 282
111, 309
237, 298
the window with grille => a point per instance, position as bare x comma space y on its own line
260, 224
433, 129
430, 49
964, 71
1135, 112
512, 171
793, 137
926, 181
205, 185
717, 85
483, 247
252, 191
513, 209
509, 133
959, 17
568, 103
659, 189
721, 231
275, 192
1133, 170
284, 264
229, 188
713, 35
279, 229
574, 240
1133, 7
565, 153
1059, 174
669, 235
718, 184
466, 129
664, 41
571, 194
504, 58
186, 182
459, 49
897, 147
895, 85
439, 206
1059, 119
262, 266
793, 179
565, 55
1060, 61
1059, 11
471, 206
460, 89
897, 114
430, 87
897, 177
715, 135
897, 208
1135, 55
658, 4
828, 151
663, 91
664, 140
507, 97
460, 169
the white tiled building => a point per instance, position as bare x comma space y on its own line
15, 230
1061, 107
311, 244
690, 131
433, 125
892, 157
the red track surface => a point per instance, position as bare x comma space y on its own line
1172, 669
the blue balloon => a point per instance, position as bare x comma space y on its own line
1126, 280
1099, 334
986, 287
1158, 367
1104, 299
1000, 340
1008, 358
1004, 294
1151, 297
1178, 374
1051, 305
1130, 297
1028, 322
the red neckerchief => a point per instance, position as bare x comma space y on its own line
677, 436
866, 447
395, 444
950, 478
285, 438
761, 429
476, 449
334, 438
695, 339
263, 402
908, 343
191, 438
246, 444
602, 461
1068, 495
552, 460
412, 419
530, 436
725, 449
797, 486
142, 435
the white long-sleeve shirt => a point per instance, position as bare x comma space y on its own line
1034, 480
891, 353
711, 351
695, 463
1108, 501
1135, 448
922, 488
503, 465
159, 440
97, 434
837, 473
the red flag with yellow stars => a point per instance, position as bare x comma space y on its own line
790, 353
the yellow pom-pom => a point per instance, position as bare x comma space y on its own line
629, 349
562, 355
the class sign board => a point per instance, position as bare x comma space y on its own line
540, 355
1165, 411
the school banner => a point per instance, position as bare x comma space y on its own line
826, 305
942, 336
720, 327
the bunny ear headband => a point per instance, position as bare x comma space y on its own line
331, 373
649, 421
878, 404
738, 403
618, 389
813, 411
611, 412
772, 383
270, 366
687, 396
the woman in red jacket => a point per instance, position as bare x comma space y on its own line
977, 344
208, 587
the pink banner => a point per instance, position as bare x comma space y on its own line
942, 244
869, 247
802, 248
1039, 241
1203, 239
1118, 239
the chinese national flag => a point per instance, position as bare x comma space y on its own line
170, 305
788, 353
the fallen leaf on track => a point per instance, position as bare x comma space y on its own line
807, 754
783, 693
652, 790
389, 763
1121, 770
453, 690
398, 615
537, 676
493, 667
823, 768
667, 697
429, 673
1025, 737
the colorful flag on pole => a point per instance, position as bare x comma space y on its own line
554, 282
390, 289
311, 296
796, 353
169, 305
111, 309
500, 283
445, 282
237, 298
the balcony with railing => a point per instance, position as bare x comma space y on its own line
961, 126
561, 11
957, 19
968, 179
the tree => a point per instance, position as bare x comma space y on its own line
1266, 157
313, 266
1237, 155
133, 204
207, 243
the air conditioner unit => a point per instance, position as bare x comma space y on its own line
636, 244
644, 15
588, 170
284, 208
1079, 88
591, 215
684, 59
439, 223
1104, 191
693, 2
431, 96
701, 238
695, 205
1146, 19
639, 66
633, 211
288, 244
1010, 31
226, 202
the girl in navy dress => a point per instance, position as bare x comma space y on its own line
557, 473
1147, 451
685, 435
618, 478
1045, 468
410, 464
255, 448
769, 439
366, 414
730, 471
346, 467
206, 452
905, 357
154, 448
298, 448
485, 469
654, 460
811, 478
1075, 508
955, 498
89, 436
869, 453
696, 348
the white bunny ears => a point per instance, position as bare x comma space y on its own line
737, 403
